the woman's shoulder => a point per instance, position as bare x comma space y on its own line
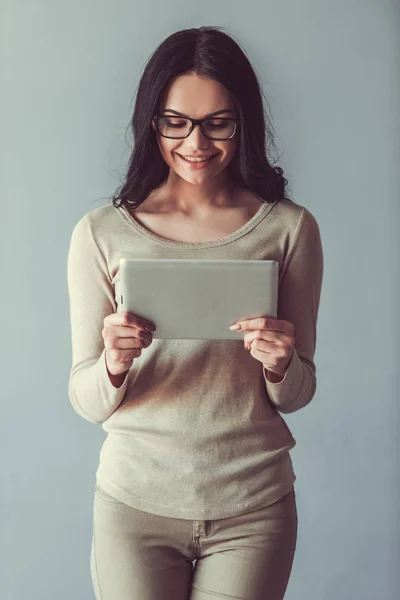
294, 215
102, 215
100, 220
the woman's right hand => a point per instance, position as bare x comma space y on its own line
124, 336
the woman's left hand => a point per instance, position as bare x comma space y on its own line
271, 341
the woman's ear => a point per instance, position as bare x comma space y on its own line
153, 124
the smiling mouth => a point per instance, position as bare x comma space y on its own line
198, 160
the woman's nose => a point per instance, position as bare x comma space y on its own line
197, 138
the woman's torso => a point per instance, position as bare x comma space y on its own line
194, 412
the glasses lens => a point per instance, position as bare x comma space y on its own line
174, 127
219, 128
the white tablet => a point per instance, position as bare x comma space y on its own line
197, 299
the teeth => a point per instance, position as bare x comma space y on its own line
191, 159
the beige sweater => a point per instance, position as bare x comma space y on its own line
195, 430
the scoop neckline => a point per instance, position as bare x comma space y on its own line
245, 228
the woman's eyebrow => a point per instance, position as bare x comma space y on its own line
218, 112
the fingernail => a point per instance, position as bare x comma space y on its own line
235, 327
150, 327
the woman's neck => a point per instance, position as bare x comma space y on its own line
194, 199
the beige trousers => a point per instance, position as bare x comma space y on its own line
137, 555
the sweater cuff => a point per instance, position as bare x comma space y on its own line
93, 395
280, 393
104, 379
111, 396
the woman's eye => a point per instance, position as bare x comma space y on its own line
176, 125
216, 125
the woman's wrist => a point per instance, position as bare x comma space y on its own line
116, 380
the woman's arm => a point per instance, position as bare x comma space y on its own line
299, 297
94, 394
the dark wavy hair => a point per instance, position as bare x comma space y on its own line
210, 52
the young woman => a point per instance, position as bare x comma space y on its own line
196, 466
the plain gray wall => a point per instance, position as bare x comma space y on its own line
330, 71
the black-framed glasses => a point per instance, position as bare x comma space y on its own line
213, 128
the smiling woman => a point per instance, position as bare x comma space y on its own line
199, 98
196, 463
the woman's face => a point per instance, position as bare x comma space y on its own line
196, 97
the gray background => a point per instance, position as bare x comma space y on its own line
330, 71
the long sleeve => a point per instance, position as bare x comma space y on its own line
298, 302
91, 297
